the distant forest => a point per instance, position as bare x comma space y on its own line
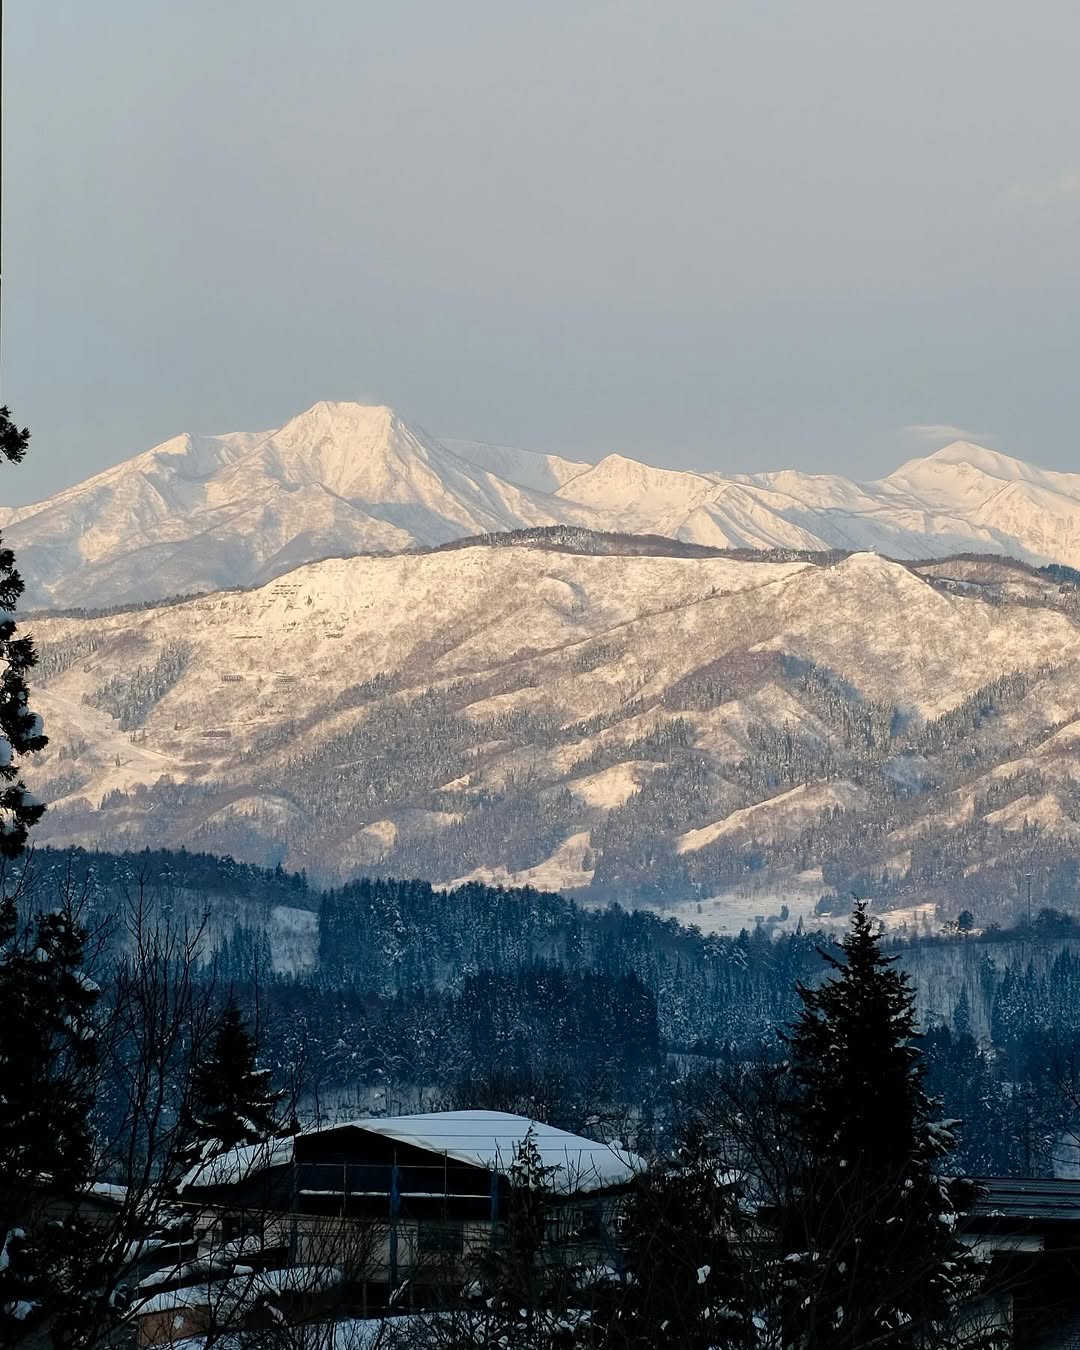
590, 1018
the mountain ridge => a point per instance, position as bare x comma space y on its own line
620, 724
204, 513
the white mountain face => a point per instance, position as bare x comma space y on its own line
962, 498
677, 730
200, 513
528, 468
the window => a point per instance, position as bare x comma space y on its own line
235, 1226
440, 1237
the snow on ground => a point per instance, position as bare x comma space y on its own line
727, 914
568, 868
69, 721
896, 864
927, 644
265, 807
294, 939
915, 918
1044, 810
261, 657
1055, 757
514, 700
957, 809
723, 731
528, 468
590, 641
201, 512
612, 787
786, 814
375, 840
731, 911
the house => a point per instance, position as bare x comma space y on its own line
389, 1212
1028, 1229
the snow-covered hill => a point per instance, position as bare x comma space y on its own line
200, 513
666, 728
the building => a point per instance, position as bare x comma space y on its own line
386, 1212
1028, 1228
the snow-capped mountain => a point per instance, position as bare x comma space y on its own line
961, 498
201, 512
670, 728
204, 512
528, 468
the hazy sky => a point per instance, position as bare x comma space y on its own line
736, 234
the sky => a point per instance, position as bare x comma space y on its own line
728, 234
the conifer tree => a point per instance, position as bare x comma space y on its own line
868, 1241
685, 1290
48, 1065
20, 729
520, 1302
232, 1102
47, 1046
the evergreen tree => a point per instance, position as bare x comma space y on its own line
47, 1038
232, 1102
20, 729
868, 1243
962, 1014
685, 1289
48, 1065
522, 1304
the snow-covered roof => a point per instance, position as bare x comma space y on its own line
246, 1287
488, 1139
106, 1191
237, 1164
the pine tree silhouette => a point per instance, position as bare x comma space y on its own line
232, 1102
868, 1233
48, 1059
20, 729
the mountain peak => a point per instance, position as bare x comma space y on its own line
635, 490
962, 472
349, 418
352, 449
201, 512
980, 457
962, 454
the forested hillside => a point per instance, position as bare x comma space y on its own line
566, 711
393, 993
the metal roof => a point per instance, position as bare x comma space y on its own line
1036, 1199
487, 1139
490, 1139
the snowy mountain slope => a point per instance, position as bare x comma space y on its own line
202, 513
960, 498
575, 719
966, 473
196, 514
528, 468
